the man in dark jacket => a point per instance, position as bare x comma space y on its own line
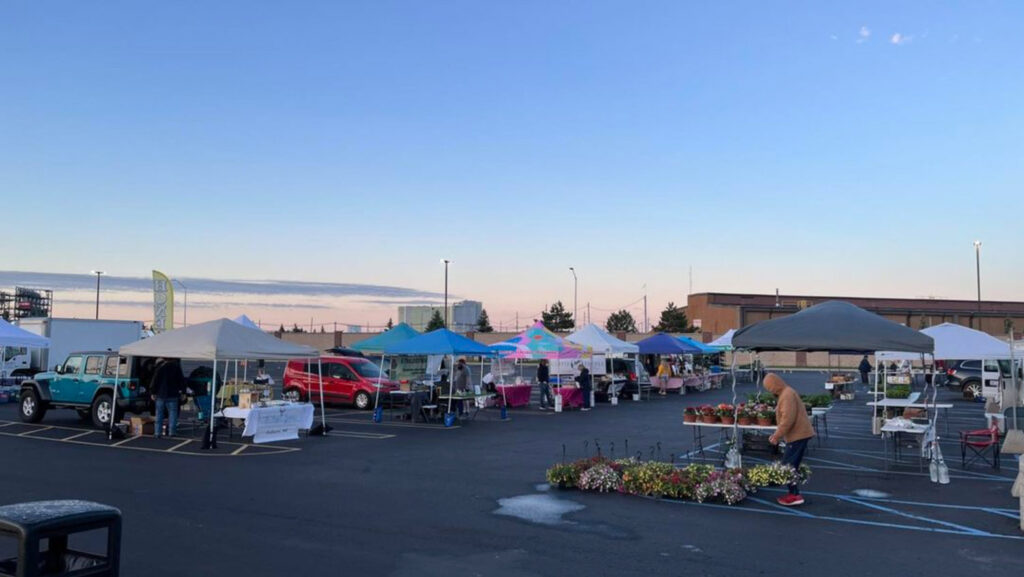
168, 382
544, 380
865, 368
586, 385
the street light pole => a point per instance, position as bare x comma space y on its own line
98, 273
446, 263
182, 285
977, 265
575, 292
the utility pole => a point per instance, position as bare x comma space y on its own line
691, 282
446, 263
575, 292
646, 327
977, 264
98, 273
588, 312
517, 321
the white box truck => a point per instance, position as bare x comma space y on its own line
67, 336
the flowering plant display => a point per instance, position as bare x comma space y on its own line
726, 486
762, 398
601, 478
690, 411
725, 410
696, 482
707, 410
646, 478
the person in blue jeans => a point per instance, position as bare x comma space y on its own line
586, 385
793, 426
544, 380
168, 383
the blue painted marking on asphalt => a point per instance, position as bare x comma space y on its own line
790, 510
877, 507
1003, 513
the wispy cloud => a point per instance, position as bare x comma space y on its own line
863, 34
901, 39
80, 282
199, 304
833, 37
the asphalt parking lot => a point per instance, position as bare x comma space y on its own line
403, 499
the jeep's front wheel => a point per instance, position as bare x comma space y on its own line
32, 409
102, 411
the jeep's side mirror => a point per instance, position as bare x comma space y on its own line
58, 369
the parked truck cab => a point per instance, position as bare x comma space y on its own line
85, 382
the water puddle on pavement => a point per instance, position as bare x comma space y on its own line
546, 509
871, 494
541, 509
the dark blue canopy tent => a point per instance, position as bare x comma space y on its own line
663, 344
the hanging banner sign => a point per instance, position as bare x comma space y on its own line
163, 303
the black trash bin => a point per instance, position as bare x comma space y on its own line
53, 522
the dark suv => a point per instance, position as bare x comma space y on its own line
967, 376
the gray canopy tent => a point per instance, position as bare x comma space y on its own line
835, 327
218, 340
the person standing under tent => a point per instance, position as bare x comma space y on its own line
168, 384
461, 377
586, 385
544, 380
864, 368
664, 374
793, 426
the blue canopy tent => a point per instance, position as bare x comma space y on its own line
378, 344
663, 344
439, 342
704, 349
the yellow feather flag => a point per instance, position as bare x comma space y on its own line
163, 302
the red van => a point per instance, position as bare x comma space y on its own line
347, 380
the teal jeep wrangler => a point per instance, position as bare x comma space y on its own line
85, 383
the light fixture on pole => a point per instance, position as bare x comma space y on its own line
446, 263
98, 273
977, 265
182, 285
575, 292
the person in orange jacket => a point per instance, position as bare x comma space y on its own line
792, 426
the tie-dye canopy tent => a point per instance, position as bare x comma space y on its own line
537, 342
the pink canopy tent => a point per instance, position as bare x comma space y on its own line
537, 342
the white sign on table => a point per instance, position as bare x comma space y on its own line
277, 423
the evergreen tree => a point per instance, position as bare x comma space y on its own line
297, 329
483, 324
436, 321
390, 324
280, 331
557, 319
621, 321
673, 320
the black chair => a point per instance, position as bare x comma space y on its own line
53, 522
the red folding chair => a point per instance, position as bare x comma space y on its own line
983, 445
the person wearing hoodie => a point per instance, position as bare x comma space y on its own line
586, 385
792, 426
864, 368
544, 380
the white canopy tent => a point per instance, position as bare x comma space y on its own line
955, 342
12, 336
601, 341
222, 339
724, 342
605, 344
245, 321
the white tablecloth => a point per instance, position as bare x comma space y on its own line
273, 423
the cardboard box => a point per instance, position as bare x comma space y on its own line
248, 400
141, 426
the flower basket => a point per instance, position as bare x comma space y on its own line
689, 418
744, 420
765, 421
709, 418
728, 420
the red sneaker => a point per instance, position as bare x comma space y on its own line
790, 500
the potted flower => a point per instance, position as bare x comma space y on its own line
766, 416
726, 413
744, 416
690, 415
707, 414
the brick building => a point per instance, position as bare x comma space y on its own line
716, 313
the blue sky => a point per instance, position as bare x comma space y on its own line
852, 149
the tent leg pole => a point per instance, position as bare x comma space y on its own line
323, 412
211, 441
113, 402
